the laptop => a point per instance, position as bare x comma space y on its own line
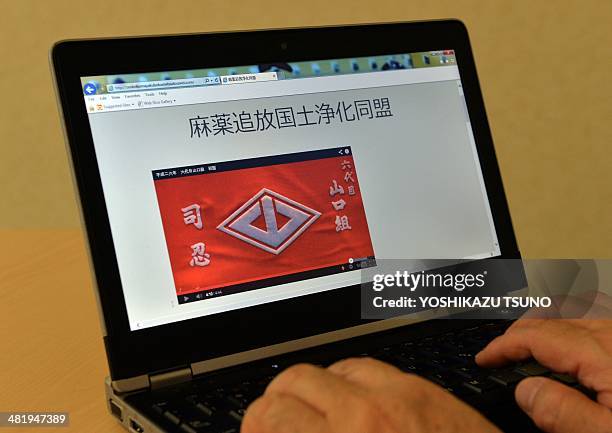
234, 187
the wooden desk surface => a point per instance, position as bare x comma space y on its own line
52, 357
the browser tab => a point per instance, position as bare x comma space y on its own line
249, 78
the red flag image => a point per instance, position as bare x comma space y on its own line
234, 226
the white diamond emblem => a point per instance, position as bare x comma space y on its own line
269, 204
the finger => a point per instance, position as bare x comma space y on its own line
273, 413
536, 322
346, 406
562, 345
557, 345
605, 398
556, 408
527, 322
367, 372
325, 391
601, 297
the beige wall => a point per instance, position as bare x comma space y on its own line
544, 68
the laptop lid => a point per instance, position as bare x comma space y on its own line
233, 185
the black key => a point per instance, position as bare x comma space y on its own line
202, 403
436, 379
264, 381
477, 339
253, 393
454, 347
199, 425
498, 397
565, 378
408, 345
260, 383
172, 417
532, 369
177, 414
160, 407
187, 428
384, 357
586, 391
506, 378
237, 414
237, 402
238, 399
212, 427
408, 360
443, 379
467, 355
495, 326
207, 410
467, 372
466, 394
171, 412
479, 386
206, 404
439, 362
192, 398
430, 352
463, 357
409, 368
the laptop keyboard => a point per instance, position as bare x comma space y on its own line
201, 408
217, 403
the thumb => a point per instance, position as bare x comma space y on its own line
556, 408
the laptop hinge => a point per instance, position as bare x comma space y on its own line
170, 378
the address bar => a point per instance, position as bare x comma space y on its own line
164, 84
192, 82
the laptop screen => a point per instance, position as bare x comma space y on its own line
236, 186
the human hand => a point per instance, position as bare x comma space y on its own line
580, 348
358, 396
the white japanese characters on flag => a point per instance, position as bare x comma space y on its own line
335, 189
192, 215
199, 256
342, 221
339, 205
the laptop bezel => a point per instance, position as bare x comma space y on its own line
165, 347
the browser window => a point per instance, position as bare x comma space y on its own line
232, 187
